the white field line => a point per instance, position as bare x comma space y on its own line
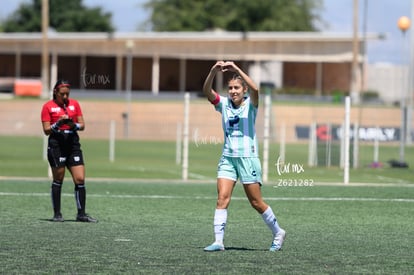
200, 180
211, 198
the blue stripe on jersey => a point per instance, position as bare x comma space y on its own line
239, 128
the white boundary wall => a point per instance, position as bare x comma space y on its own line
387, 80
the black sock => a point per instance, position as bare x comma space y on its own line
56, 191
80, 197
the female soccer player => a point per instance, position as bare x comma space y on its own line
240, 151
62, 118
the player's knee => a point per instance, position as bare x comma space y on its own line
223, 202
79, 180
258, 205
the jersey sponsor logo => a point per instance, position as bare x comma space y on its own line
235, 133
55, 109
232, 130
234, 120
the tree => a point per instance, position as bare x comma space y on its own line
64, 16
234, 15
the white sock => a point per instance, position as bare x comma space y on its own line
220, 220
271, 221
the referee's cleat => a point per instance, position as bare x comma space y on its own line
85, 218
278, 241
214, 247
58, 218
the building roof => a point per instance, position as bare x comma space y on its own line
211, 45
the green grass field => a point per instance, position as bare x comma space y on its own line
22, 157
150, 222
161, 228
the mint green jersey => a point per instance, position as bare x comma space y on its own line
238, 127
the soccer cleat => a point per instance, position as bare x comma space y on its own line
85, 218
278, 241
214, 247
58, 218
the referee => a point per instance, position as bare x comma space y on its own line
62, 119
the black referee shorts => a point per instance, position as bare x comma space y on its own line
64, 150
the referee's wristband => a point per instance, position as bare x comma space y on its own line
75, 127
55, 127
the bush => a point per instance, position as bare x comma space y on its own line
369, 95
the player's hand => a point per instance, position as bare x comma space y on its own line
70, 123
55, 127
63, 120
218, 66
59, 123
229, 66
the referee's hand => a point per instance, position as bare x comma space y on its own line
70, 123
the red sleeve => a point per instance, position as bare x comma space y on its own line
78, 109
45, 114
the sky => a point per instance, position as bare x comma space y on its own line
381, 17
